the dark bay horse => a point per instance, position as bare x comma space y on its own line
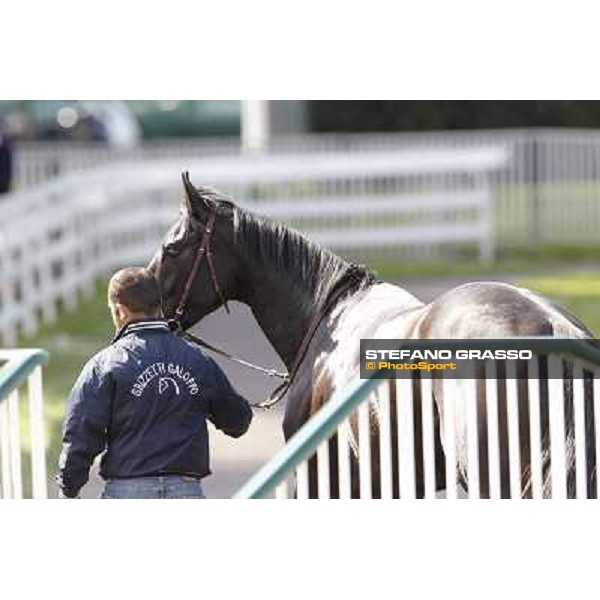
292, 285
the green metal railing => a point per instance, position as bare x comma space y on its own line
19, 367
323, 425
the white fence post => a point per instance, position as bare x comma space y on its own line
512, 409
5, 449
406, 438
449, 437
470, 397
14, 435
491, 392
535, 429
556, 398
428, 435
580, 433
38, 442
364, 451
344, 469
20, 367
385, 440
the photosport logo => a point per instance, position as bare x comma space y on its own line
470, 359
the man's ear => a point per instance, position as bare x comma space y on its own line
122, 311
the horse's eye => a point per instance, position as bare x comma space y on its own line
178, 237
171, 249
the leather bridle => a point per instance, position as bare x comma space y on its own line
205, 250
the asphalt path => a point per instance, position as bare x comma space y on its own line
233, 461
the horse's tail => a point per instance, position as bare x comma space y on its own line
566, 328
561, 323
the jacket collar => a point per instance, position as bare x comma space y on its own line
141, 325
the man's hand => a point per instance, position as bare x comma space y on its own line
63, 496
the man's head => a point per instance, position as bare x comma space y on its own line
133, 293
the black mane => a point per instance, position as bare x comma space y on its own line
308, 266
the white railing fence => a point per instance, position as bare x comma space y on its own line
56, 239
548, 192
22, 424
38, 162
510, 435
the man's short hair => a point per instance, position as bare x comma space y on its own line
137, 289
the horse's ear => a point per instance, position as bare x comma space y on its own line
187, 204
195, 201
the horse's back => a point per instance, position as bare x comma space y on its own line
491, 309
383, 310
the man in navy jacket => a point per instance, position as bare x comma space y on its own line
144, 401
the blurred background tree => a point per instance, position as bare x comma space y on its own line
423, 115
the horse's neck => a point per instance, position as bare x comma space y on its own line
284, 316
283, 303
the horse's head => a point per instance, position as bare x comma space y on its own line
174, 261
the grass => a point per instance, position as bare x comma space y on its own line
516, 261
567, 274
580, 292
555, 212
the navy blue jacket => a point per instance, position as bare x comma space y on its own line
145, 400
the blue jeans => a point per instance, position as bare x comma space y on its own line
167, 487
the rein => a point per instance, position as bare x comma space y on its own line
279, 392
204, 250
200, 342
